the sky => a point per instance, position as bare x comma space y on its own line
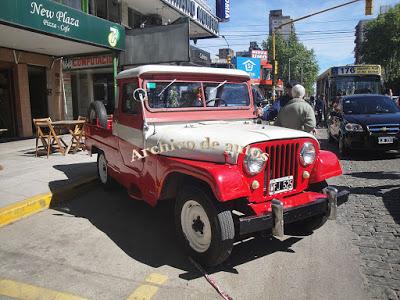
330, 34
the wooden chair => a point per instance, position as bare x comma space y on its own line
43, 133
78, 136
56, 140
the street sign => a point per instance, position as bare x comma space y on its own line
250, 65
261, 54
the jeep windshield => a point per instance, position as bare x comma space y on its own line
176, 95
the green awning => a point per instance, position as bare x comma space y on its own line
56, 20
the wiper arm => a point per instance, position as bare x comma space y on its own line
163, 90
218, 86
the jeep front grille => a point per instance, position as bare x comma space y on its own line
282, 162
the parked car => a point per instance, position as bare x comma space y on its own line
365, 122
189, 135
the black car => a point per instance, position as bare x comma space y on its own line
365, 122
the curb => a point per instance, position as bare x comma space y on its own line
30, 206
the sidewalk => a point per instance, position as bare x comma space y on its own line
23, 176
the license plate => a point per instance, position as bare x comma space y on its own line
385, 140
280, 185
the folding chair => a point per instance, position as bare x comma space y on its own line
56, 140
43, 133
78, 135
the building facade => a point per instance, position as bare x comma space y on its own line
360, 36
35, 37
276, 19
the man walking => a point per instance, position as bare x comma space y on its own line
297, 113
271, 113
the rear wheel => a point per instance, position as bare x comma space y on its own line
97, 114
206, 232
102, 170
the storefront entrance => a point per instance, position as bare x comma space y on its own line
38, 92
7, 110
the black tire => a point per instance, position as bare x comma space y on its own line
330, 137
220, 221
102, 171
343, 149
97, 111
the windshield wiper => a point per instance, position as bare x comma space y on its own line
163, 90
218, 86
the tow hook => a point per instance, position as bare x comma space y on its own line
277, 216
331, 192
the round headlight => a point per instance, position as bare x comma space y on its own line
307, 154
254, 161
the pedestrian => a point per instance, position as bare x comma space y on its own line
272, 111
319, 109
297, 113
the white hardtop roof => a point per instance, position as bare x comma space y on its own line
166, 69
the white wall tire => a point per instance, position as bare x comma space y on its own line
206, 231
196, 226
102, 170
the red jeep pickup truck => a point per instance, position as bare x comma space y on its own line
190, 135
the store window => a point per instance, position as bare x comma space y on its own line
129, 104
103, 90
71, 3
107, 9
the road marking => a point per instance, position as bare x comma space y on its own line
25, 291
147, 291
143, 292
156, 278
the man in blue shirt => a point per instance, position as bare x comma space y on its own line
272, 112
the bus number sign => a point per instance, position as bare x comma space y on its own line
347, 70
357, 70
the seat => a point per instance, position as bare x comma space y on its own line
43, 134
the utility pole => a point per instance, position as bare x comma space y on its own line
228, 57
275, 63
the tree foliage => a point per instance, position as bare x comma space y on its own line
382, 43
300, 58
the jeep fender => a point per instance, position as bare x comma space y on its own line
326, 166
226, 181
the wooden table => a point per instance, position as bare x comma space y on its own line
69, 125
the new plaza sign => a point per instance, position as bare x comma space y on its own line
51, 18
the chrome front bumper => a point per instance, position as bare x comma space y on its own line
276, 220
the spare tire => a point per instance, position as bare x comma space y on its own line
97, 114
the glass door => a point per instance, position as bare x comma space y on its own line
7, 115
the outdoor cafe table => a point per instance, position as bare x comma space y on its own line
70, 126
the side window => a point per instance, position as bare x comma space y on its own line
129, 104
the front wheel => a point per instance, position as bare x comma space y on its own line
206, 232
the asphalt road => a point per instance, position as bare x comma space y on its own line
104, 245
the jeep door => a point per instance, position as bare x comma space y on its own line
129, 126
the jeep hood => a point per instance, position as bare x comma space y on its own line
202, 135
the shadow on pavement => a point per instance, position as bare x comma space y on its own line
391, 200
147, 234
376, 175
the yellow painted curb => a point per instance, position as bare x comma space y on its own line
30, 206
19, 290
